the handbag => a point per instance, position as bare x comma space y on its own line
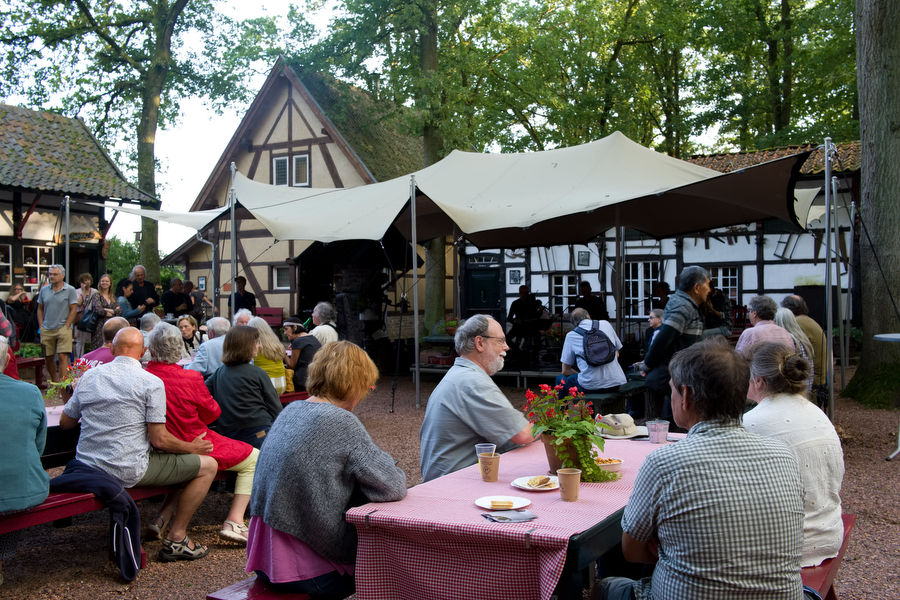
89, 321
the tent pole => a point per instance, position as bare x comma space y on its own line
829, 339
415, 270
837, 265
233, 241
68, 201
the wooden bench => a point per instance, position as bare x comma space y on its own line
37, 364
289, 397
251, 589
272, 316
615, 401
821, 577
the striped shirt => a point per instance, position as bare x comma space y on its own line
727, 508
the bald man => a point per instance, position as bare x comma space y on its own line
123, 417
103, 354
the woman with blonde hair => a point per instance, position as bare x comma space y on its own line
105, 304
190, 336
777, 383
271, 353
787, 321
84, 294
318, 462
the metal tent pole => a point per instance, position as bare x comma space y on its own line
837, 265
415, 270
68, 275
233, 240
829, 341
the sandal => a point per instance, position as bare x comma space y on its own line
172, 551
154, 531
235, 532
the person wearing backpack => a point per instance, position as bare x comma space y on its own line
589, 356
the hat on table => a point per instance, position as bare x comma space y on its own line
622, 424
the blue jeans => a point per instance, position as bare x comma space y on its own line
330, 586
250, 435
621, 588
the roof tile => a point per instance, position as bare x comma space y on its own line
847, 159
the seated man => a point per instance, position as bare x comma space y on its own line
576, 371
148, 322
209, 355
720, 512
103, 354
467, 407
761, 312
123, 411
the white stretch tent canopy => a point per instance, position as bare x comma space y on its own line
193, 220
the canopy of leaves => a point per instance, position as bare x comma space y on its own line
123, 256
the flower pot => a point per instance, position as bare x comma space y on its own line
451, 331
555, 461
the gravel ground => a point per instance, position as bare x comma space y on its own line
73, 562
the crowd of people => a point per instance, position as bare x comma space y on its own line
740, 505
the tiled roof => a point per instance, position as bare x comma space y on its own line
847, 159
375, 131
51, 153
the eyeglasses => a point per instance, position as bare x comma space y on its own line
493, 337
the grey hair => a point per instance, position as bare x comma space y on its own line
786, 319
135, 268
4, 354
240, 312
717, 376
466, 333
218, 326
763, 306
61, 268
166, 343
325, 311
692, 276
783, 370
578, 315
657, 312
149, 321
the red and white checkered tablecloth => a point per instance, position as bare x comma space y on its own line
435, 544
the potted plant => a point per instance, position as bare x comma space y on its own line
445, 327
60, 392
568, 429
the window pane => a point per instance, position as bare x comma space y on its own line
280, 171
301, 170
640, 277
282, 278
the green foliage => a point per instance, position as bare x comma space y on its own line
123, 256
30, 351
878, 387
440, 328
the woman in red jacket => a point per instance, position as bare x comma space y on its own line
189, 409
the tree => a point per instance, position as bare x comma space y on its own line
126, 67
122, 256
877, 380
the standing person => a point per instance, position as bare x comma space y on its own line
57, 304
467, 407
303, 349
198, 300
84, 295
105, 304
144, 291
324, 318
318, 462
682, 326
594, 305
761, 312
244, 391
717, 314
777, 383
576, 371
174, 301
125, 294
242, 298
813, 331
720, 513
271, 353
23, 434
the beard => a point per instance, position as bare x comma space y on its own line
495, 365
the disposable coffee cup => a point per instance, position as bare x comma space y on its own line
658, 430
489, 463
569, 484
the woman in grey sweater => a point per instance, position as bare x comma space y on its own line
317, 462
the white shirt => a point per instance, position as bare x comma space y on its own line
806, 430
325, 333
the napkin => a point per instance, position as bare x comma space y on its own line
510, 516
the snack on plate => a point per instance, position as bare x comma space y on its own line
608, 461
539, 481
501, 504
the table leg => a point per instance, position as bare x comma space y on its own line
897, 451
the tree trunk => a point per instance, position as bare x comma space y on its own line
878, 68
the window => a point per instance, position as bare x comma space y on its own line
640, 277
280, 170
563, 292
281, 277
301, 170
726, 279
201, 284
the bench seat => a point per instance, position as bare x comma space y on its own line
821, 577
251, 589
272, 316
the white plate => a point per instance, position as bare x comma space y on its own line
485, 502
522, 484
641, 432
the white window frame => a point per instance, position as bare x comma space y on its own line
640, 278
563, 288
275, 161
304, 158
275, 271
728, 279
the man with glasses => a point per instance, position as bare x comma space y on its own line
56, 313
467, 407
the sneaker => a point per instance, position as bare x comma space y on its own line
182, 550
235, 532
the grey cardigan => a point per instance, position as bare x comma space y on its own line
318, 461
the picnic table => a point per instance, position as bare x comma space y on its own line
435, 544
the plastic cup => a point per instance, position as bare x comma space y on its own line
484, 448
569, 484
489, 463
658, 430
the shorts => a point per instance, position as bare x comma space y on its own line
56, 341
169, 469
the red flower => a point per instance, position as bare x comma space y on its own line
573, 390
529, 394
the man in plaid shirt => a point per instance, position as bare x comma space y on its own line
720, 512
